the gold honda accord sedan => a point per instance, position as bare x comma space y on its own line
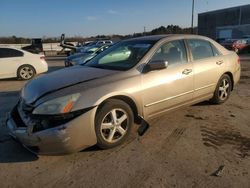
131, 82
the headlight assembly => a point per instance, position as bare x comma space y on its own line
59, 105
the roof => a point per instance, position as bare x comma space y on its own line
150, 37
224, 9
155, 38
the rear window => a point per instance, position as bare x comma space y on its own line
215, 50
8, 52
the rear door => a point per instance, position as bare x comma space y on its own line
208, 66
171, 87
10, 60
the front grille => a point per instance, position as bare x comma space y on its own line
16, 117
21, 113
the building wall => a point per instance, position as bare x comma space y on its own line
219, 23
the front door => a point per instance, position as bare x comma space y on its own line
171, 87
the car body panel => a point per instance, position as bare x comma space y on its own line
203, 69
66, 138
9, 66
98, 90
36, 89
160, 82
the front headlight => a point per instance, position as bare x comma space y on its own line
59, 105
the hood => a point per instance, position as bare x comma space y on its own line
60, 79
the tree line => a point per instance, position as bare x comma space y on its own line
170, 29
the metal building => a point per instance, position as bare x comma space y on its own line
225, 23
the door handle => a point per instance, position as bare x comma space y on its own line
219, 62
186, 71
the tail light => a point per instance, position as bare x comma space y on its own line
42, 57
238, 61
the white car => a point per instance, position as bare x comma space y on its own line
21, 64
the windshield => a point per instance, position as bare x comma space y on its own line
122, 56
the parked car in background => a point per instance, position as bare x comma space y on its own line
238, 45
36, 46
95, 44
104, 42
21, 64
241, 45
131, 82
81, 58
81, 44
228, 43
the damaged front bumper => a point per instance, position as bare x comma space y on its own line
75, 135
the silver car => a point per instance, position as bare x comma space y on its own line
131, 82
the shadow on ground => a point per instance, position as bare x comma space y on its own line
12, 151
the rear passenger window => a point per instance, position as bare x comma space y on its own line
200, 49
8, 52
173, 52
215, 50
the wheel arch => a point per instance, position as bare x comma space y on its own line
231, 78
127, 100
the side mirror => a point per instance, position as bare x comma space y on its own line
155, 65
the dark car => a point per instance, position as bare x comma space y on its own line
81, 58
95, 44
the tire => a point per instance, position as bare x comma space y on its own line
26, 72
223, 90
111, 132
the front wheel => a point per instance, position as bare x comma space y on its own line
223, 90
113, 123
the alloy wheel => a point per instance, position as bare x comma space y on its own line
26, 73
224, 89
114, 125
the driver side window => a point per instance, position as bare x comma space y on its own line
173, 52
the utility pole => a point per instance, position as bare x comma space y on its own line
192, 22
144, 30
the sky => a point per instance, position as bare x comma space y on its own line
51, 18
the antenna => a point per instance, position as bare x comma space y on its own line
192, 22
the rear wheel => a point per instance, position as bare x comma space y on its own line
26, 72
113, 123
223, 90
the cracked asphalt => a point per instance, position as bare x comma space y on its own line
181, 149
